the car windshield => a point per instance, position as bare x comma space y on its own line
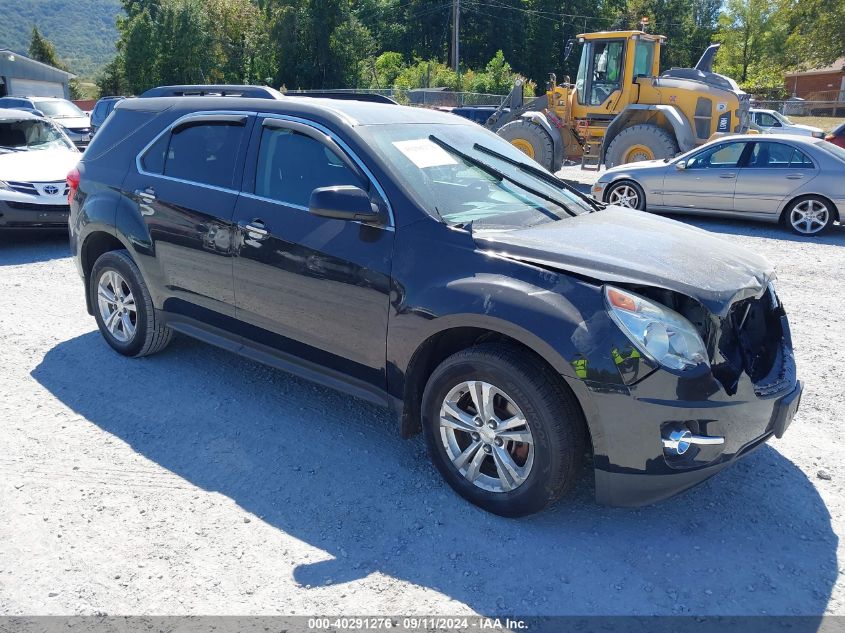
31, 134
783, 118
464, 174
59, 109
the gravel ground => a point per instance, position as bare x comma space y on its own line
198, 482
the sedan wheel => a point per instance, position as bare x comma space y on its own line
810, 216
626, 194
486, 436
117, 306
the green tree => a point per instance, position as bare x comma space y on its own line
42, 50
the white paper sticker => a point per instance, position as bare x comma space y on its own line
424, 153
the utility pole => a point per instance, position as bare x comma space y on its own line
456, 23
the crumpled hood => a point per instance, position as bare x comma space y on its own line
42, 165
624, 246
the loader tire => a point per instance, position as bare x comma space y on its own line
530, 139
640, 142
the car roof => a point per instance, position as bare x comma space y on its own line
13, 113
343, 112
808, 140
765, 110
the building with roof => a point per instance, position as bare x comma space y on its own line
21, 76
818, 84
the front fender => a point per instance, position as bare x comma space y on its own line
557, 142
681, 127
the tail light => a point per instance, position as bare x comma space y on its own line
72, 184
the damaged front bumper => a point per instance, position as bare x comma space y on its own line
668, 431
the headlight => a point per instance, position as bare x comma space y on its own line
661, 334
818, 134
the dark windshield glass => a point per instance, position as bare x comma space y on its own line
459, 191
59, 109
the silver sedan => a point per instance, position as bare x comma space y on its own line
799, 181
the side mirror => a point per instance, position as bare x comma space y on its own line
681, 165
344, 202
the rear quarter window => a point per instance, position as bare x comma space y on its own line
117, 129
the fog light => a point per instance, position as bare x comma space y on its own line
680, 440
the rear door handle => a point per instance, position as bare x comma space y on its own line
147, 195
795, 176
728, 175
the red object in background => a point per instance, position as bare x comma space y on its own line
837, 136
72, 183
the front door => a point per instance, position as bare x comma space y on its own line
186, 194
772, 173
311, 287
706, 181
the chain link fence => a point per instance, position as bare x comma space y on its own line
425, 97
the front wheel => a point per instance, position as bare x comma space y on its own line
503, 431
626, 193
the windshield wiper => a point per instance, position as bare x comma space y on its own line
539, 173
498, 175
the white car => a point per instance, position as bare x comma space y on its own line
773, 122
35, 158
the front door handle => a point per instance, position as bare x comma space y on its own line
147, 195
795, 176
256, 229
728, 175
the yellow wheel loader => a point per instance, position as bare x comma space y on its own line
620, 108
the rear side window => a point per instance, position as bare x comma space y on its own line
291, 165
778, 155
203, 153
117, 129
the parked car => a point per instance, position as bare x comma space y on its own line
35, 157
75, 122
773, 122
102, 109
789, 179
414, 259
837, 136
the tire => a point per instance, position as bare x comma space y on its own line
135, 329
652, 141
521, 385
627, 194
809, 215
531, 139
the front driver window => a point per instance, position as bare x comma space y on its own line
292, 165
767, 120
720, 157
607, 71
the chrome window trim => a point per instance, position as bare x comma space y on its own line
342, 144
168, 130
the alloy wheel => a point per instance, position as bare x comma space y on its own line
624, 196
809, 216
486, 436
117, 306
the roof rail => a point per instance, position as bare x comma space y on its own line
214, 90
343, 96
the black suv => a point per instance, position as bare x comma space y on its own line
414, 259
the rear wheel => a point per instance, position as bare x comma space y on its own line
503, 431
530, 139
640, 142
809, 216
626, 193
123, 307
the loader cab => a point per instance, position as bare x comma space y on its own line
611, 61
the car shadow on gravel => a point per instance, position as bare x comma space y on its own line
834, 236
22, 246
332, 472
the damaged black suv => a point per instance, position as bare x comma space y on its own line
414, 259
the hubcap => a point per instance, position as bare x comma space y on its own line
523, 146
638, 153
624, 196
117, 306
809, 217
497, 455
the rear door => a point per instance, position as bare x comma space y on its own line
313, 288
707, 180
186, 192
773, 172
